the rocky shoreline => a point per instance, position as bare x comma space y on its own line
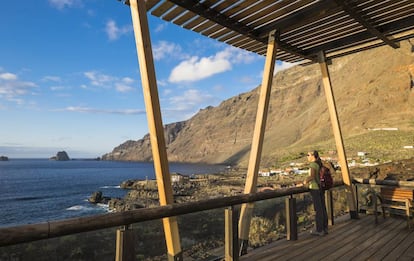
144, 193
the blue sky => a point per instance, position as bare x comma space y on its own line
69, 76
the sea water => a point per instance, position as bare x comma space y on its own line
40, 190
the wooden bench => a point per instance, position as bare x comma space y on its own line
397, 201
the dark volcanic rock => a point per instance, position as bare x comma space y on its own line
61, 156
97, 197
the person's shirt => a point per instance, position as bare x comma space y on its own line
314, 183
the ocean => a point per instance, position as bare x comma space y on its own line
40, 190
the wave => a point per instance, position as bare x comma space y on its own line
106, 187
92, 208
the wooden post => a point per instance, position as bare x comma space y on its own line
337, 134
291, 219
156, 130
329, 207
125, 250
257, 141
231, 247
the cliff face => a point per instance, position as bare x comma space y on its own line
373, 89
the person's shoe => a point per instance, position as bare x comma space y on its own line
316, 233
325, 232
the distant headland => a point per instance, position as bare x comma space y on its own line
4, 158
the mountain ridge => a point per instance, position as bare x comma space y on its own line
372, 89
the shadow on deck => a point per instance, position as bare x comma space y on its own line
350, 239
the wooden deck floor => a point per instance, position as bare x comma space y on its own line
349, 240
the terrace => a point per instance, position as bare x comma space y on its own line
302, 31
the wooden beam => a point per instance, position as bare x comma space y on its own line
156, 130
337, 134
125, 250
351, 10
257, 141
231, 244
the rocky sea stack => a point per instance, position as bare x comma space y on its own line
60, 156
4, 158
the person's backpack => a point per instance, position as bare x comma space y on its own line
325, 178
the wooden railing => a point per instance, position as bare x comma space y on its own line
32, 232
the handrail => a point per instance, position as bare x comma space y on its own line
45, 230
395, 183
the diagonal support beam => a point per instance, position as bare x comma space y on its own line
337, 134
352, 11
257, 141
156, 130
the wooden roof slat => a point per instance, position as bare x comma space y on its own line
276, 12
162, 8
220, 33
204, 26
364, 21
309, 27
310, 14
175, 12
305, 27
195, 22
315, 27
151, 3
184, 18
327, 34
351, 40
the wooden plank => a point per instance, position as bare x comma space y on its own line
195, 22
318, 244
380, 240
162, 8
184, 18
285, 250
204, 26
174, 13
389, 246
151, 3
213, 29
220, 34
404, 249
363, 239
275, 12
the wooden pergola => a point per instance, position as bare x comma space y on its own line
296, 31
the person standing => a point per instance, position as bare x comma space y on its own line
318, 195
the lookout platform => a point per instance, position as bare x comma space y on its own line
350, 239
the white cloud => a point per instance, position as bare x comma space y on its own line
8, 76
123, 87
108, 81
99, 79
160, 27
163, 49
11, 87
51, 78
61, 4
186, 105
57, 88
93, 110
195, 68
114, 32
